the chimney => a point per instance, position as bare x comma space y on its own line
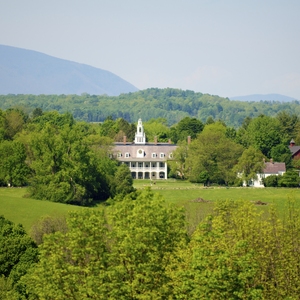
124, 139
155, 140
189, 139
169, 141
271, 160
292, 143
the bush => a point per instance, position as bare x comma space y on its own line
271, 181
289, 179
47, 225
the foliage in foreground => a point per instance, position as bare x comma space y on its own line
139, 249
239, 254
17, 253
120, 253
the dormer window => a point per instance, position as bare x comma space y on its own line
171, 155
119, 154
127, 154
154, 155
162, 155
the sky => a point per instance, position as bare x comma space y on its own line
221, 47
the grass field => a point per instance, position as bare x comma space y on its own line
182, 191
185, 194
27, 211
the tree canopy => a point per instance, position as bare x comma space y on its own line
153, 103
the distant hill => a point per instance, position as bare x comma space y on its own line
169, 104
267, 97
30, 72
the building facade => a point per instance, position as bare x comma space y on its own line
145, 160
270, 168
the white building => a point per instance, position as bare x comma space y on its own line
271, 168
145, 160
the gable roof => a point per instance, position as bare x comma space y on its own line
294, 149
274, 168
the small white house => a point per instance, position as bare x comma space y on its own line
271, 168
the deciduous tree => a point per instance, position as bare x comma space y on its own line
214, 154
264, 133
250, 163
13, 168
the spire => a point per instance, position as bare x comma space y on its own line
292, 143
140, 137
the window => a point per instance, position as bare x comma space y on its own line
171, 155
127, 154
162, 155
140, 153
153, 155
119, 154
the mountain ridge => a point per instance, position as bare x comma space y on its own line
264, 97
25, 71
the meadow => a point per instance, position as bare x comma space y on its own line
195, 198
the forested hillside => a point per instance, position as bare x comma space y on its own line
171, 104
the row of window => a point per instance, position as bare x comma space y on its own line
153, 155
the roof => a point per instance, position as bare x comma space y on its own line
274, 168
294, 149
148, 148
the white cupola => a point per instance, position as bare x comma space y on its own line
140, 137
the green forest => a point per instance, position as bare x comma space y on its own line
171, 104
131, 244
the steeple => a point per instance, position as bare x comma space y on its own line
140, 137
292, 143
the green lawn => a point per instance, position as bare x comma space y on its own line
184, 194
181, 191
27, 211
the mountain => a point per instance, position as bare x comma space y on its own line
267, 97
30, 72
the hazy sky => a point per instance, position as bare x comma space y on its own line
221, 47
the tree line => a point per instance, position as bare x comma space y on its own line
64, 160
171, 104
218, 153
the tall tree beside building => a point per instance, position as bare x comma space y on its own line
213, 153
